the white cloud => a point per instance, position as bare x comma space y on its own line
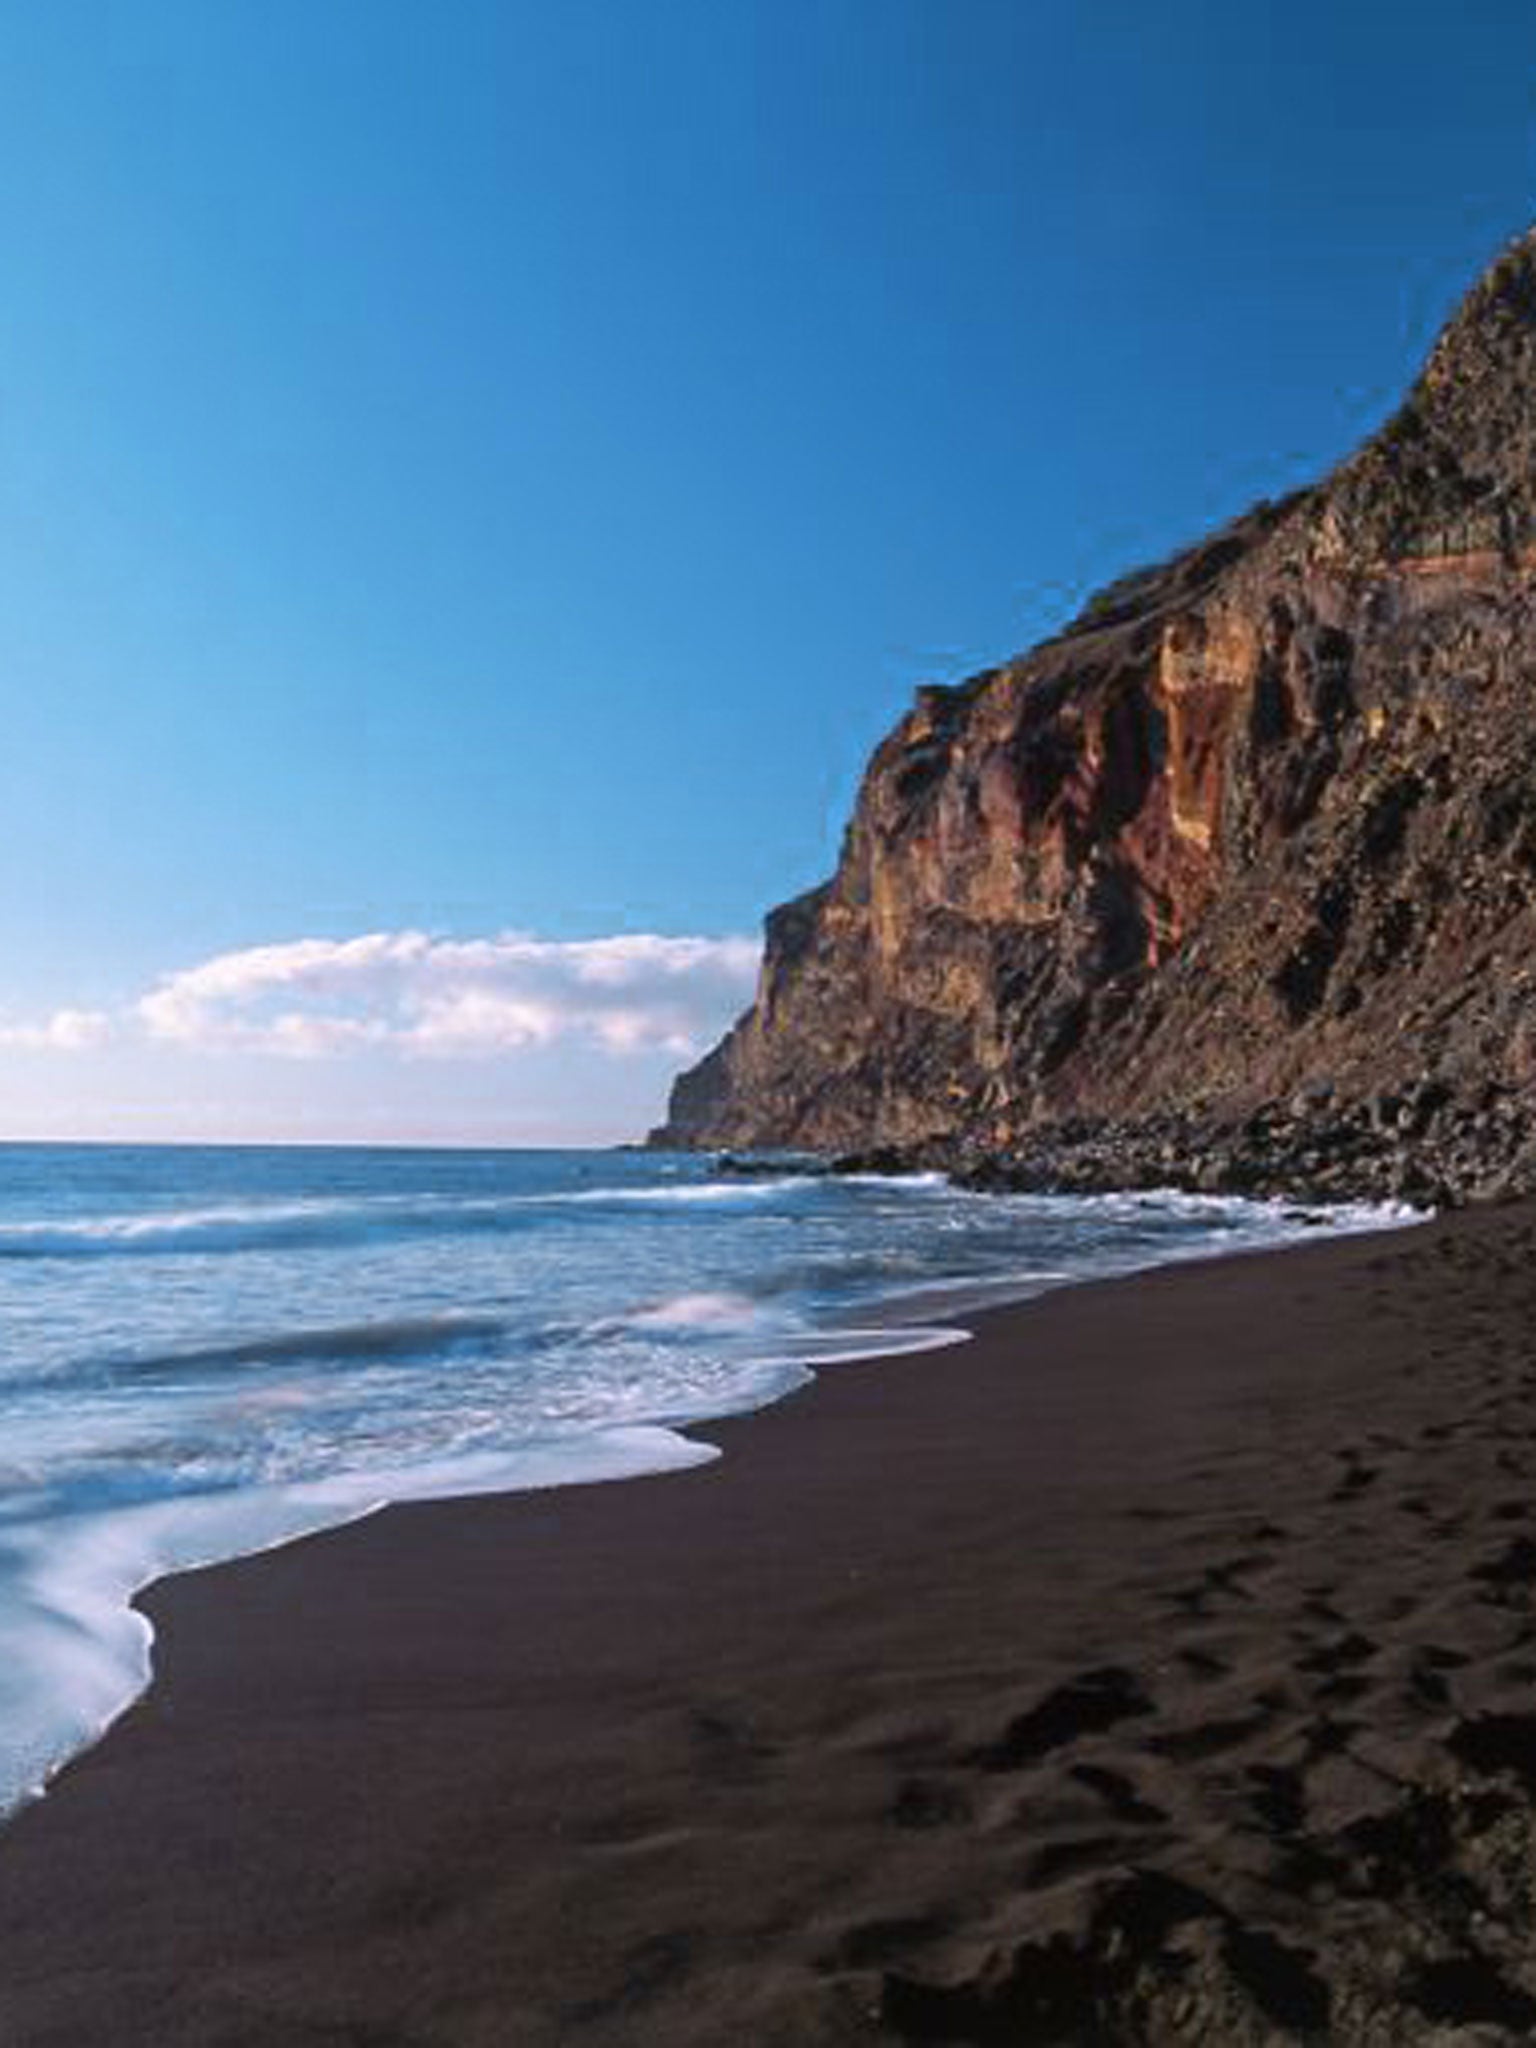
446, 998
64, 1031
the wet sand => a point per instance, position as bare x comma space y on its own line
1161, 1666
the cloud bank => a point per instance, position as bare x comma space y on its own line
428, 997
64, 1031
422, 996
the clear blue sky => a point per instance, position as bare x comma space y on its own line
470, 468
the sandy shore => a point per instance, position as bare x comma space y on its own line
1159, 1667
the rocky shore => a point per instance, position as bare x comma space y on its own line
1421, 1145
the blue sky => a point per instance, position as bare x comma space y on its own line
473, 470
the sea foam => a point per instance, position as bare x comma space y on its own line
208, 1352
75, 1652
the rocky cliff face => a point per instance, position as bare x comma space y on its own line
1261, 819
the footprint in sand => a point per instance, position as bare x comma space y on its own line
1341, 1654
1425, 1684
1511, 1570
1357, 1478
1328, 1736
1119, 1795
1201, 1664
879, 1941
1058, 1860
929, 1803
1211, 1738
1085, 1705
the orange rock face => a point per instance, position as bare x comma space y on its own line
1263, 814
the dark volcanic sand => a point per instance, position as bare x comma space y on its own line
1160, 1667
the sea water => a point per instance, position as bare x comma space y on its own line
208, 1350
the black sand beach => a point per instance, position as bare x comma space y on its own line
1159, 1667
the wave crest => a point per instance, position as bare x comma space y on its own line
402, 1338
279, 1226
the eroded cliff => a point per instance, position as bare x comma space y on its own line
1263, 818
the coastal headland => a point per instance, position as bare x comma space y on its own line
1157, 1667
1231, 881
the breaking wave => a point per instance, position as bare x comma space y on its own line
208, 1351
291, 1226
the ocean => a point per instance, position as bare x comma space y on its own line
208, 1350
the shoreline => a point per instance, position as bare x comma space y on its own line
759, 1749
135, 1549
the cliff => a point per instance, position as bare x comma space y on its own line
1261, 820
